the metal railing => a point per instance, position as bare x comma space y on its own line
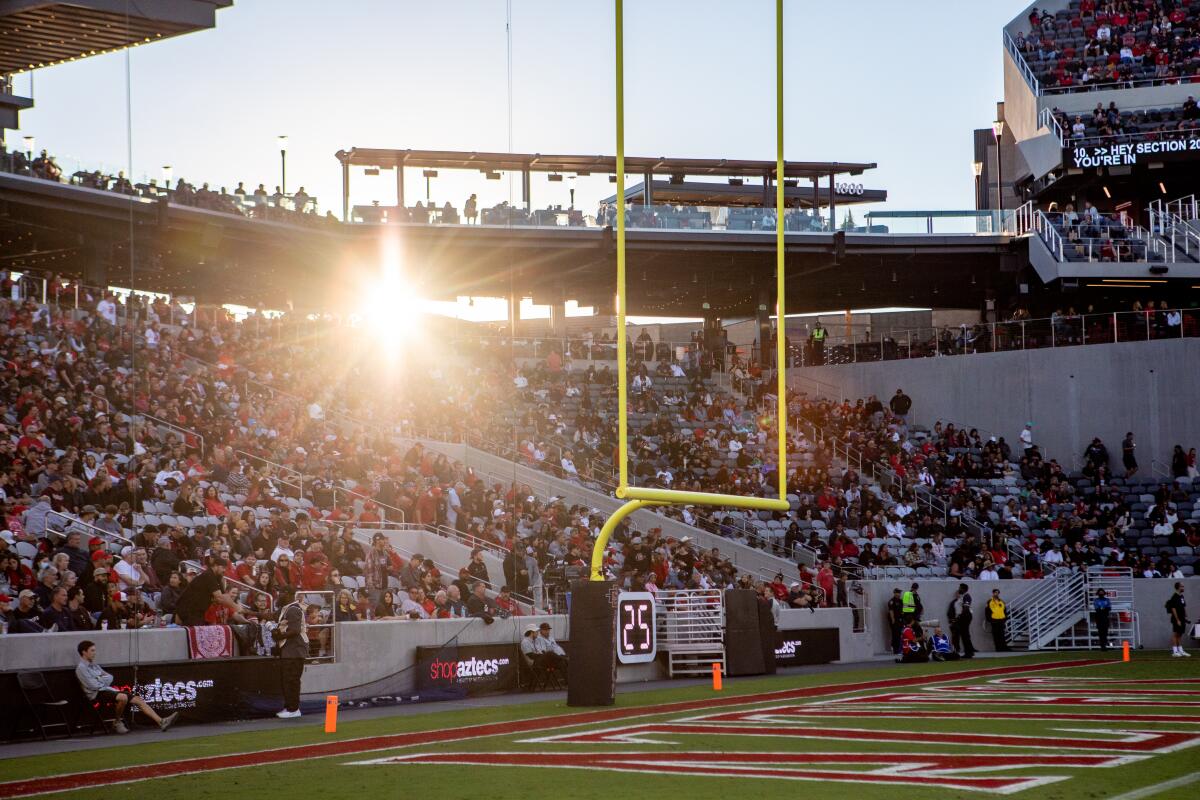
1174, 231
1066, 330
245, 587
74, 523
325, 601
185, 432
690, 618
1022, 65
1040, 615
527, 604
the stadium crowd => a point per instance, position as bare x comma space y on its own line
1094, 44
296, 208
140, 455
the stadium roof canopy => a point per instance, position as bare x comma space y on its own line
585, 164
40, 33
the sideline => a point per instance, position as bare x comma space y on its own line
30, 787
1150, 791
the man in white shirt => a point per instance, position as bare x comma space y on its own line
1027, 437
411, 606
107, 309
989, 573
129, 570
902, 509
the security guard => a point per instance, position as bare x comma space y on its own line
895, 612
817, 338
911, 604
997, 612
1101, 609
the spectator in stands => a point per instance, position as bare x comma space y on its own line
1128, 457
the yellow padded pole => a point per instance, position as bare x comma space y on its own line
610, 525
673, 497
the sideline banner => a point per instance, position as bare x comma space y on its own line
807, 646
201, 691
466, 670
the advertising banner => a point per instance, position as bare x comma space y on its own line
466, 670
1130, 154
201, 691
807, 646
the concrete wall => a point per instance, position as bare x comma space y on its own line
1069, 393
1148, 599
854, 647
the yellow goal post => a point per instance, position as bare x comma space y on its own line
637, 497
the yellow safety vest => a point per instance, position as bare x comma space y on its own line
908, 602
818, 334
996, 608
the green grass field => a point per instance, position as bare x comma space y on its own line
879, 748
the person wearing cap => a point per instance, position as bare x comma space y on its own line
412, 573
552, 653
530, 656
98, 685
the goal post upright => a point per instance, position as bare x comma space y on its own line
637, 497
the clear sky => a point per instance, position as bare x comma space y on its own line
900, 84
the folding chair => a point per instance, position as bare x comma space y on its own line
41, 700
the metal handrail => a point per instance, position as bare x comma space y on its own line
1022, 65
176, 428
449, 572
200, 568
365, 498
73, 521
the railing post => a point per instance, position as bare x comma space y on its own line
1146, 317
1022, 334
1115, 337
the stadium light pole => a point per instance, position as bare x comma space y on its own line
29, 143
977, 171
283, 163
998, 129
166, 174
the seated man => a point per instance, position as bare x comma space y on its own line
530, 657
940, 647
551, 652
97, 685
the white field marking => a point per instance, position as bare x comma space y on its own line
789, 715
1158, 788
1020, 783
642, 733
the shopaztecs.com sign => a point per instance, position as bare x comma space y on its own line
1129, 154
469, 669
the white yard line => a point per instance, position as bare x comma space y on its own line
1150, 791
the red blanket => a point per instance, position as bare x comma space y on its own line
210, 641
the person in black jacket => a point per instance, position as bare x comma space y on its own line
292, 636
900, 404
960, 617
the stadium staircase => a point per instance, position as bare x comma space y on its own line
1055, 613
691, 630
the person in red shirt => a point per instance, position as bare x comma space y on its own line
779, 588
315, 575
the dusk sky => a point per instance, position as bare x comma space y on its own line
893, 83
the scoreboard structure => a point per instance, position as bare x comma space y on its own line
636, 639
